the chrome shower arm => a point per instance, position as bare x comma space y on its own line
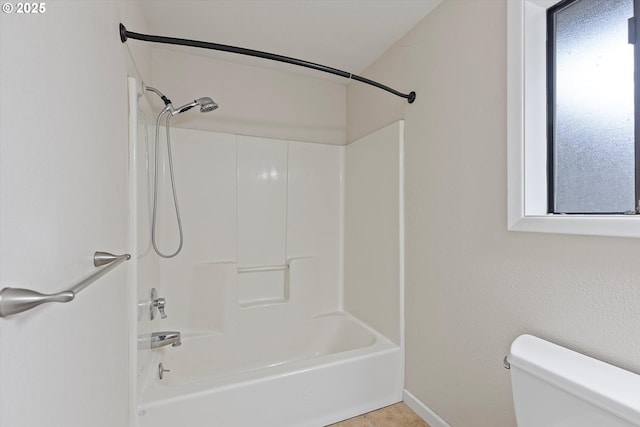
166, 100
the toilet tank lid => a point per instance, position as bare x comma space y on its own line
599, 383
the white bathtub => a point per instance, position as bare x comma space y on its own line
328, 369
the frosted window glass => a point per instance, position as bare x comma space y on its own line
594, 110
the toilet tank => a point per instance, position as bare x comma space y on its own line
556, 387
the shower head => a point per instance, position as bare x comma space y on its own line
206, 104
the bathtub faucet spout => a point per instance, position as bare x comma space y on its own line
161, 339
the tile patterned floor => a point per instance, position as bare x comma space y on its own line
398, 415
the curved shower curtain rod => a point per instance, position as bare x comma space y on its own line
124, 35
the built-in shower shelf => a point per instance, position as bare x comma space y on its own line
263, 268
263, 285
263, 302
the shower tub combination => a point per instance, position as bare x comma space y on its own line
331, 369
265, 340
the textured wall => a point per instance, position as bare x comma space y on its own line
472, 286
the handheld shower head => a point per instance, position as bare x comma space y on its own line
185, 107
206, 104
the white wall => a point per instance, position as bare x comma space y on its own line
472, 286
254, 101
64, 195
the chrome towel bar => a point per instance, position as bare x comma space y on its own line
17, 300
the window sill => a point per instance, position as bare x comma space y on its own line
590, 225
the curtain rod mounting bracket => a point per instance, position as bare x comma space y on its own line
123, 33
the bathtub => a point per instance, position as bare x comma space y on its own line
325, 370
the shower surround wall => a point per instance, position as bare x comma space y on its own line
374, 233
250, 208
257, 291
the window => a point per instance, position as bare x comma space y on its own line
590, 108
565, 202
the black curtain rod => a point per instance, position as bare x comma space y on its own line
124, 35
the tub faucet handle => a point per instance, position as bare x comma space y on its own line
157, 304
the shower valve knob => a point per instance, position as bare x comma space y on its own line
156, 304
159, 304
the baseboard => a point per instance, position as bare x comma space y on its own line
423, 411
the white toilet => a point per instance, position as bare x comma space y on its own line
557, 387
